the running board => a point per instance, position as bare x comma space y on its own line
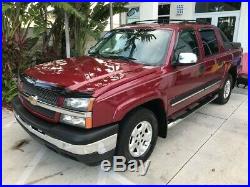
191, 111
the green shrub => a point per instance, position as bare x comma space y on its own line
9, 89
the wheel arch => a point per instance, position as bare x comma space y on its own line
156, 105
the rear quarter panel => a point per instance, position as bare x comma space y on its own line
228, 58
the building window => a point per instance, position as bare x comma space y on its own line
204, 20
227, 25
216, 7
163, 13
133, 14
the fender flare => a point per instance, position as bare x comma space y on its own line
134, 102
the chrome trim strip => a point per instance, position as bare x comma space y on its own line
172, 124
188, 97
211, 85
101, 146
176, 103
58, 109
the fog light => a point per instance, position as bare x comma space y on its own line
72, 120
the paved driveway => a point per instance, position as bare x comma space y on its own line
210, 147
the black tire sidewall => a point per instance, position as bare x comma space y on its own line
126, 129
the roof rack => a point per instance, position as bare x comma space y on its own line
143, 21
166, 21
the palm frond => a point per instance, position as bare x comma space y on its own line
69, 9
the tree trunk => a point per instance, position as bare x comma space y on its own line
45, 38
67, 42
111, 15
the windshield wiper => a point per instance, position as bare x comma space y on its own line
97, 54
110, 55
124, 57
120, 57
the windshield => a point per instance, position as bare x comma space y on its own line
142, 45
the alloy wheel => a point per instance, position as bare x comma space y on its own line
140, 139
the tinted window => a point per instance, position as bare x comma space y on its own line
224, 37
164, 9
163, 13
209, 42
164, 19
227, 44
227, 25
216, 7
204, 20
186, 44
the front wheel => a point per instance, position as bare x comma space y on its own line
225, 91
138, 135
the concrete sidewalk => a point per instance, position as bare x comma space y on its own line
210, 147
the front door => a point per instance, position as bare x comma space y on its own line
228, 22
187, 78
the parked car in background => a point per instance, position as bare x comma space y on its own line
137, 81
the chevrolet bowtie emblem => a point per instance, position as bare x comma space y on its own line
33, 100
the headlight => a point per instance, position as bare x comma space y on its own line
76, 121
81, 104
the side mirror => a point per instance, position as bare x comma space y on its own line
187, 58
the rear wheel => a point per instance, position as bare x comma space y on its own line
138, 135
225, 91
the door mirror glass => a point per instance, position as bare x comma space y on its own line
187, 58
186, 51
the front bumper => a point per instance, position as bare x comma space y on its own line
86, 145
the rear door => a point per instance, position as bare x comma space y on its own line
212, 63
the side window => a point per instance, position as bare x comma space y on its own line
209, 42
224, 37
227, 44
187, 43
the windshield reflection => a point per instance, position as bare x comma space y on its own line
145, 46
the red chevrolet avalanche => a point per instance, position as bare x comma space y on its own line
136, 82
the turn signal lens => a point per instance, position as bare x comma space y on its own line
88, 123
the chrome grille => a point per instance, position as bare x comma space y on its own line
43, 94
45, 112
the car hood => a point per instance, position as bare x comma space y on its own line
88, 74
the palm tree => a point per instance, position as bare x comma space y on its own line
97, 15
85, 20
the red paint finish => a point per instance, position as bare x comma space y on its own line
119, 86
87, 73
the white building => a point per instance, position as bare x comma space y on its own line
231, 17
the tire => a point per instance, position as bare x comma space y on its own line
224, 95
127, 141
